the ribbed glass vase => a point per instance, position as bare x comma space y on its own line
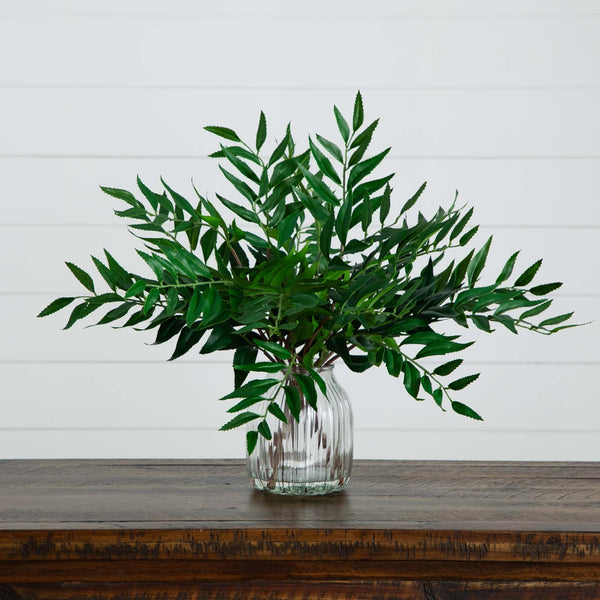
310, 457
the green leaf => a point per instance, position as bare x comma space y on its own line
153, 198
461, 224
463, 382
438, 397
83, 278
55, 306
79, 312
477, 263
187, 339
120, 275
239, 420
332, 148
240, 165
121, 195
463, 409
342, 124
441, 348
292, 399
242, 356
115, 313
319, 187
307, 385
316, 209
412, 380
536, 310
105, 273
261, 132
323, 163
448, 367
384, 208
466, 238
180, 200
409, 203
281, 148
277, 412
508, 268
240, 186
265, 367
253, 388
245, 403
556, 320
223, 132
151, 299
507, 321
240, 211
363, 139
527, 275
195, 307
264, 430
362, 169
545, 288
251, 439
359, 115
136, 289
275, 349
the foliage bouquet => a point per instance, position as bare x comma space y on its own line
310, 262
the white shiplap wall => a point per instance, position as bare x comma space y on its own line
498, 100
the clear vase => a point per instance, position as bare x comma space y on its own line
312, 456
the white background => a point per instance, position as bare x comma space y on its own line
499, 100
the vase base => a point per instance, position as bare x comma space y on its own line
296, 488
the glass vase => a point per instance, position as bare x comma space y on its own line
309, 457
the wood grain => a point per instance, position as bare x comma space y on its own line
445, 530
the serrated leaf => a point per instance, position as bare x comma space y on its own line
136, 289
277, 412
448, 367
477, 263
526, 277
115, 313
463, 382
240, 211
245, 403
323, 162
83, 278
121, 195
545, 288
251, 439
556, 320
257, 387
331, 148
55, 306
264, 430
466, 238
342, 124
240, 165
239, 420
275, 349
508, 268
292, 400
458, 228
263, 367
319, 187
242, 187
362, 169
224, 132
536, 310
151, 299
358, 115
195, 307
463, 409
410, 203
261, 132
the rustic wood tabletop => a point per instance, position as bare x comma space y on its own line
191, 529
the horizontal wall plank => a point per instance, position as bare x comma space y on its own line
503, 192
37, 255
163, 396
43, 340
313, 8
391, 52
390, 445
421, 123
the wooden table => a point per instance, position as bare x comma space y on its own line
194, 529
